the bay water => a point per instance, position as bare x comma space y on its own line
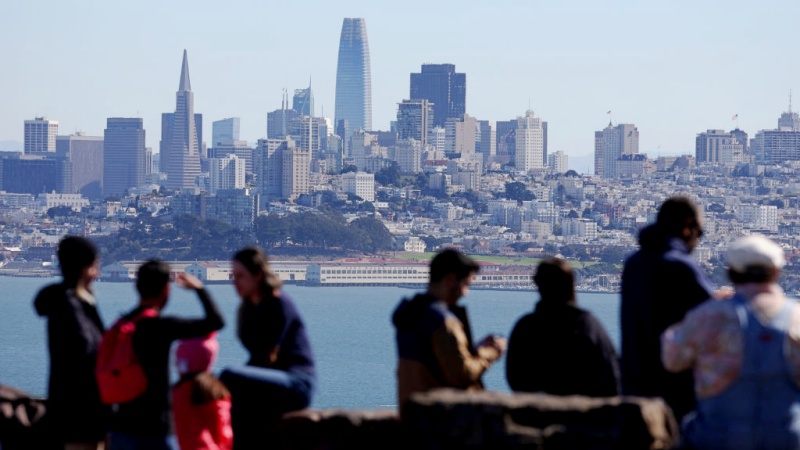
349, 327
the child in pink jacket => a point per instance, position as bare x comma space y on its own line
200, 402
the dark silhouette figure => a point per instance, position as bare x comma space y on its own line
560, 348
660, 283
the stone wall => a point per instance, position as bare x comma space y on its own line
452, 419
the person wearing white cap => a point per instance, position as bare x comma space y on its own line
745, 354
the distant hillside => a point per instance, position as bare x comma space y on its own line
11, 146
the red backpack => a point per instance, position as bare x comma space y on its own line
120, 376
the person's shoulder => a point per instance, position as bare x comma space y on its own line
49, 298
712, 310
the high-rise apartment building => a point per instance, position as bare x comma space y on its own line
529, 143
558, 162
40, 135
442, 86
414, 120
353, 77
85, 156
224, 131
124, 156
776, 146
460, 135
506, 141
361, 184
487, 144
296, 166
267, 168
615, 141
226, 173
181, 137
238, 148
408, 154
718, 146
438, 139
281, 169
303, 101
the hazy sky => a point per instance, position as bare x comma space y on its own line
673, 68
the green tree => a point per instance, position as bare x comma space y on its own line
516, 190
389, 175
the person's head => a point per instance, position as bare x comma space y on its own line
679, 217
555, 280
152, 282
197, 355
451, 273
253, 278
754, 259
77, 257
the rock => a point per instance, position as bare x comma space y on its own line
339, 429
447, 419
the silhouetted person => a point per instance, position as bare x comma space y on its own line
144, 422
434, 340
745, 354
74, 332
560, 348
660, 283
280, 374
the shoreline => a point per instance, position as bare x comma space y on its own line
302, 284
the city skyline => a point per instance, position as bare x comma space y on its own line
659, 67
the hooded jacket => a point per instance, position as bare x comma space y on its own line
435, 349
74, 331
660, 283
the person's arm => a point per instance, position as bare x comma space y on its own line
189, 328
519, 366
678, 352
608, 364
457, 364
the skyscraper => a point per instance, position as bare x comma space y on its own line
40, 135
717, 146
414, 120
460, 135
279, 122
180, 140
615, 141
224, 131
353, 77
487, 145
529, 142
442, 86
303, 101
226, 173
85, 156
123, 155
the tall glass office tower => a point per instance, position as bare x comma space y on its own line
353, 79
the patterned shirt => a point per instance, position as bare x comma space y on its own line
709, 340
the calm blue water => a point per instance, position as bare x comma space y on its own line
349, 328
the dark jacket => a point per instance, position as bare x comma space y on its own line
660, 283
561, 349
74, 331
275, 325
148, 415
435, 349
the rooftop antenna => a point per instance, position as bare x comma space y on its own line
790, 100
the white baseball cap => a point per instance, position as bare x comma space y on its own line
754, 251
